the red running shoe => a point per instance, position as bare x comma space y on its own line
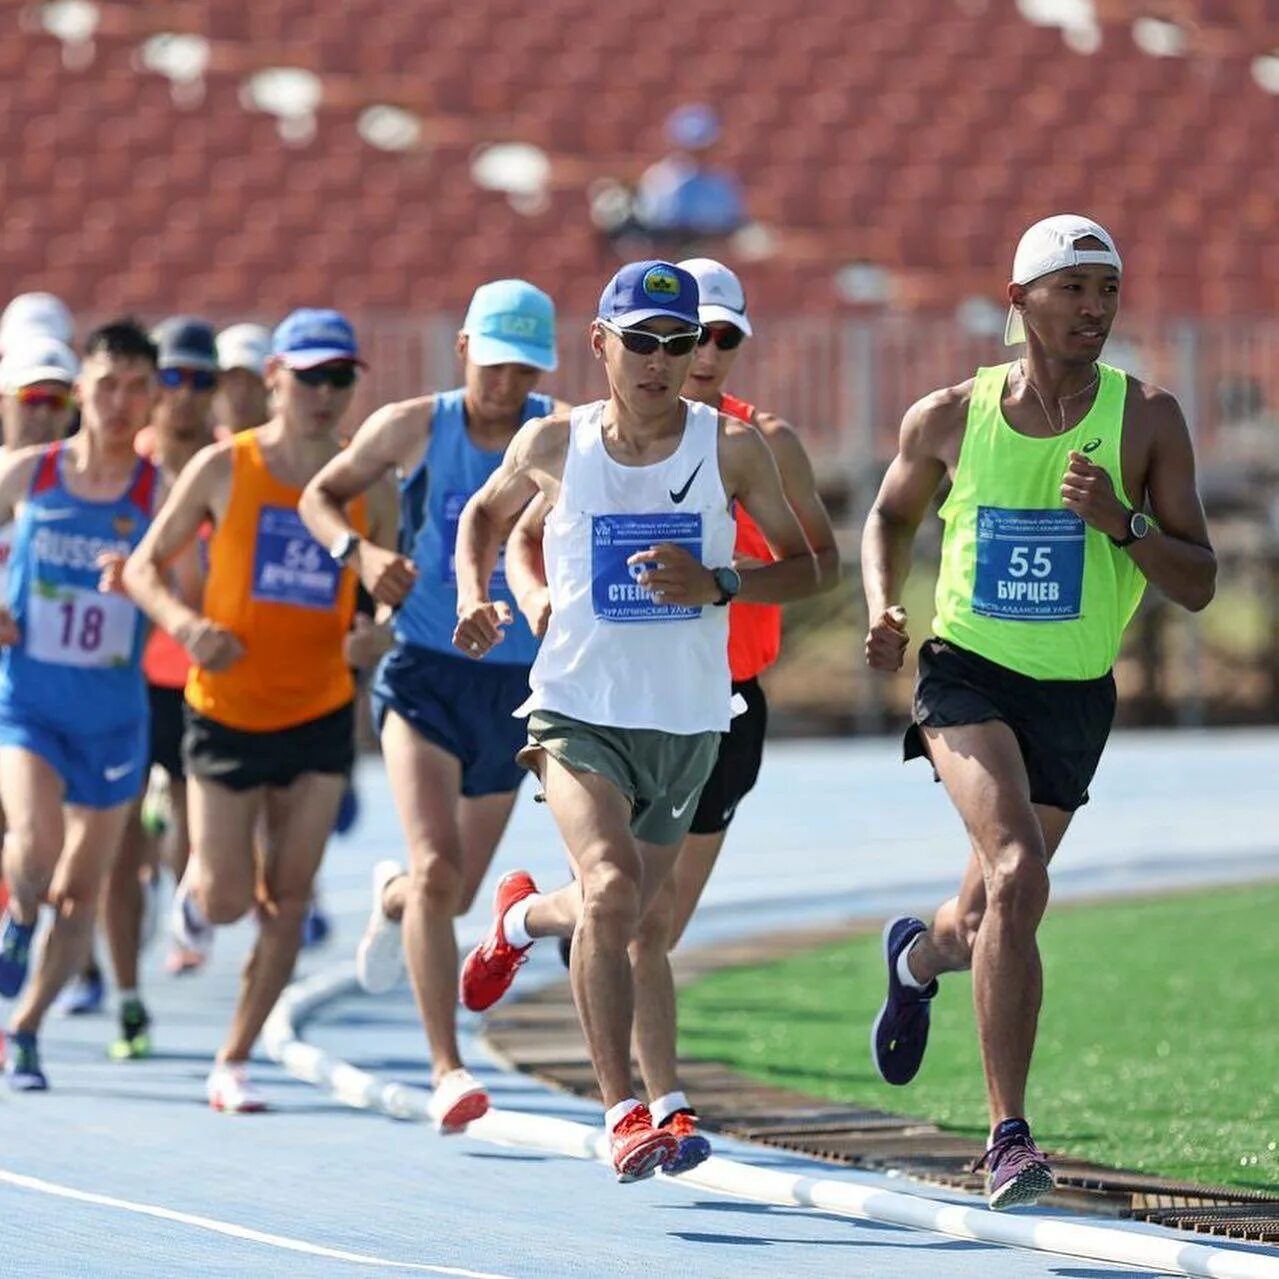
490, 968
639, 1149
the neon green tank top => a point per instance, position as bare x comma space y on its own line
1024, 582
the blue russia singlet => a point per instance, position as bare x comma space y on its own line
78, 665
431, 502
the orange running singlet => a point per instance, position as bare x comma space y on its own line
754, 630
279, 591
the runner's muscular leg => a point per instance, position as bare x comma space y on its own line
693, 868
982, 769
654, 1027
122, 901
947, 947
298, 821
31, 792
92, 840
426, 783
222, 871
481, 822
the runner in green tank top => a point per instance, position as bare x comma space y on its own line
1054, 462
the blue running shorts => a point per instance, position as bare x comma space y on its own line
99, 770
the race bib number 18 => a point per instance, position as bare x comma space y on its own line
615, 593
73, 626
1030, 564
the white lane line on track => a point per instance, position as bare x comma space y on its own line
230, 1228
1149, 1248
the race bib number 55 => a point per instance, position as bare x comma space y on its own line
1030, 564
615, 593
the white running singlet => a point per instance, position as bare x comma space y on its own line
612, 655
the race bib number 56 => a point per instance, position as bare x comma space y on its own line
289, 565
1030, 564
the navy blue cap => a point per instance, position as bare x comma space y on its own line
186, 343
314, 335
644, 290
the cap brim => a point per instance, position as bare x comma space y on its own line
251, 363
712, 313
30, 377
205, 363
319, 355
486, 351
629, 318
1014, 328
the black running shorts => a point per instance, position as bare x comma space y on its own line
737, 765
167, 726
242, 760
1060, 725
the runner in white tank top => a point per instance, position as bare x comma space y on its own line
631, 687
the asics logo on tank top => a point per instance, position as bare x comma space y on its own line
678, 495
1092, 445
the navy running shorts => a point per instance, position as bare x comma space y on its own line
460, 705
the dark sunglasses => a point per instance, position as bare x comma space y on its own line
196, 379
338, 375
641, 342
35, 397
729, 338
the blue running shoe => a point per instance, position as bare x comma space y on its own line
348, 810
83, 995
23, 1066
15, 954
1016, 1170
693, 1148
315, 927
900, 1033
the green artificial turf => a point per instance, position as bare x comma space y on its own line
1158, 1043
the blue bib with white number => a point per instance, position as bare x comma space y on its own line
1030, 564
289, 565
616, 593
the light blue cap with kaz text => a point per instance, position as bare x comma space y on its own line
511, 322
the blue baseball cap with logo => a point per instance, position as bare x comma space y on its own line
645, 290
314, 335
511, 322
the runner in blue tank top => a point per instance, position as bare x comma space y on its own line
448, 733
73, 709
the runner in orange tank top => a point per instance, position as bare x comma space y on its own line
269, 721
754, 640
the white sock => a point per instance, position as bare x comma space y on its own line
513, 921
904, 975
666, 1105
126, 995
615, 1114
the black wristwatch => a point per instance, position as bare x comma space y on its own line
344, 547
729, 581
1138, 526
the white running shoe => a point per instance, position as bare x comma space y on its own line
231, 1091
456, 1100
379, 958
189, 928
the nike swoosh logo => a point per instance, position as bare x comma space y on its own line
679, 812
117, 772
677, 496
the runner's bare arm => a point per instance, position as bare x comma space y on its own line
198, 495
888, 538
16, 471
526, 565
800, 486
533, 463
370, 637
1177, 556
392, 438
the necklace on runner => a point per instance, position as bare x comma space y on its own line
1055, 427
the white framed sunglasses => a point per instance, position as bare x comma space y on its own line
642, 342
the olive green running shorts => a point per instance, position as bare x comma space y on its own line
662, 774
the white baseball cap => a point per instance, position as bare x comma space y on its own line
720, 293
36, 314
244, 346
35, 358
1050, 246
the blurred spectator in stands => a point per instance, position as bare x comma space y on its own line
680, 200
36, 315
241, 402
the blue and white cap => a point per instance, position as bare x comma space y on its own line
311, 336
645, 290
511, 322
